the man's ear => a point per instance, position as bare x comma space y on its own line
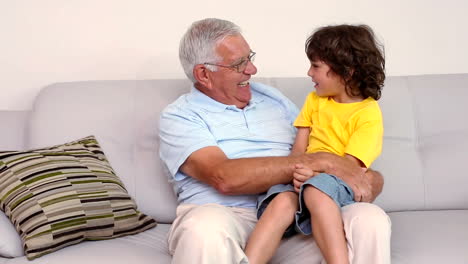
202, 75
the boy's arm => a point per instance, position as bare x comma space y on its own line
301, 141
356, 161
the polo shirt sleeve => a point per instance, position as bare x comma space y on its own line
181, 133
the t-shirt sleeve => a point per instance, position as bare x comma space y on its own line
304, 119
366, 142
181, 133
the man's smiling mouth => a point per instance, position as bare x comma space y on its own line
243, 84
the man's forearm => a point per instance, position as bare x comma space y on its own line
256, 175
253, 175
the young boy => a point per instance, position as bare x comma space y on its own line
341, 117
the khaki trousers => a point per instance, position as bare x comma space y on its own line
216, 234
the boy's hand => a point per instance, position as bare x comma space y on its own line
301, 174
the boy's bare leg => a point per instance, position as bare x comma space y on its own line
327, 226
270, 228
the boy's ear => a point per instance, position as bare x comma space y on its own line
351, 72
202, 75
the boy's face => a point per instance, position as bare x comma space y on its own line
327, 83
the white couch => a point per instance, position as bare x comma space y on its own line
423, 161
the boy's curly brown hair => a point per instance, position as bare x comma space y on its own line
353, 53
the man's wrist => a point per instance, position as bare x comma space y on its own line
319, 161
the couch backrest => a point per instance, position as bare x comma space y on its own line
124, 116
426, 142
422, 161
425, 147
13, 127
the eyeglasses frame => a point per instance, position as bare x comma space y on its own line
235, 67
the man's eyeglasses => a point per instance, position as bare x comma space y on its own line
239, 67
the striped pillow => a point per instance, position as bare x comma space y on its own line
62, 195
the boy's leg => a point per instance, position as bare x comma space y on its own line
367, 229
270, 228
210, 233
327, 225
298, 249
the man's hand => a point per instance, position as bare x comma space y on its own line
361, 187
376, 182
368, 186
365, 185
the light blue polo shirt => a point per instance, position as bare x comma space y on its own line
194, 121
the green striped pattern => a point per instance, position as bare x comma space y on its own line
62, 195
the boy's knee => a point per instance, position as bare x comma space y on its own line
285, 202
313, 196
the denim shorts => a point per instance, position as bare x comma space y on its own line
333, 186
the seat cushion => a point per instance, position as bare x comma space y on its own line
430, 237
148, 247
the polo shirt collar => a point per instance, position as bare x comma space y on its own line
203, 101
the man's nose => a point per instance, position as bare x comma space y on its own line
250, 69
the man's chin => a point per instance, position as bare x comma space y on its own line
245, 97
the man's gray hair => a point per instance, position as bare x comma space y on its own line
198, 45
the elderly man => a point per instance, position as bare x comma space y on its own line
228, 140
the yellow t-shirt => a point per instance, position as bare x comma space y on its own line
351, 128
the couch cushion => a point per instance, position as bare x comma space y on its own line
399, 147
429, 237
13, 128
62, 195
124, 117
148, 247
440, 103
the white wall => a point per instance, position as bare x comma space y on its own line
51, 41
